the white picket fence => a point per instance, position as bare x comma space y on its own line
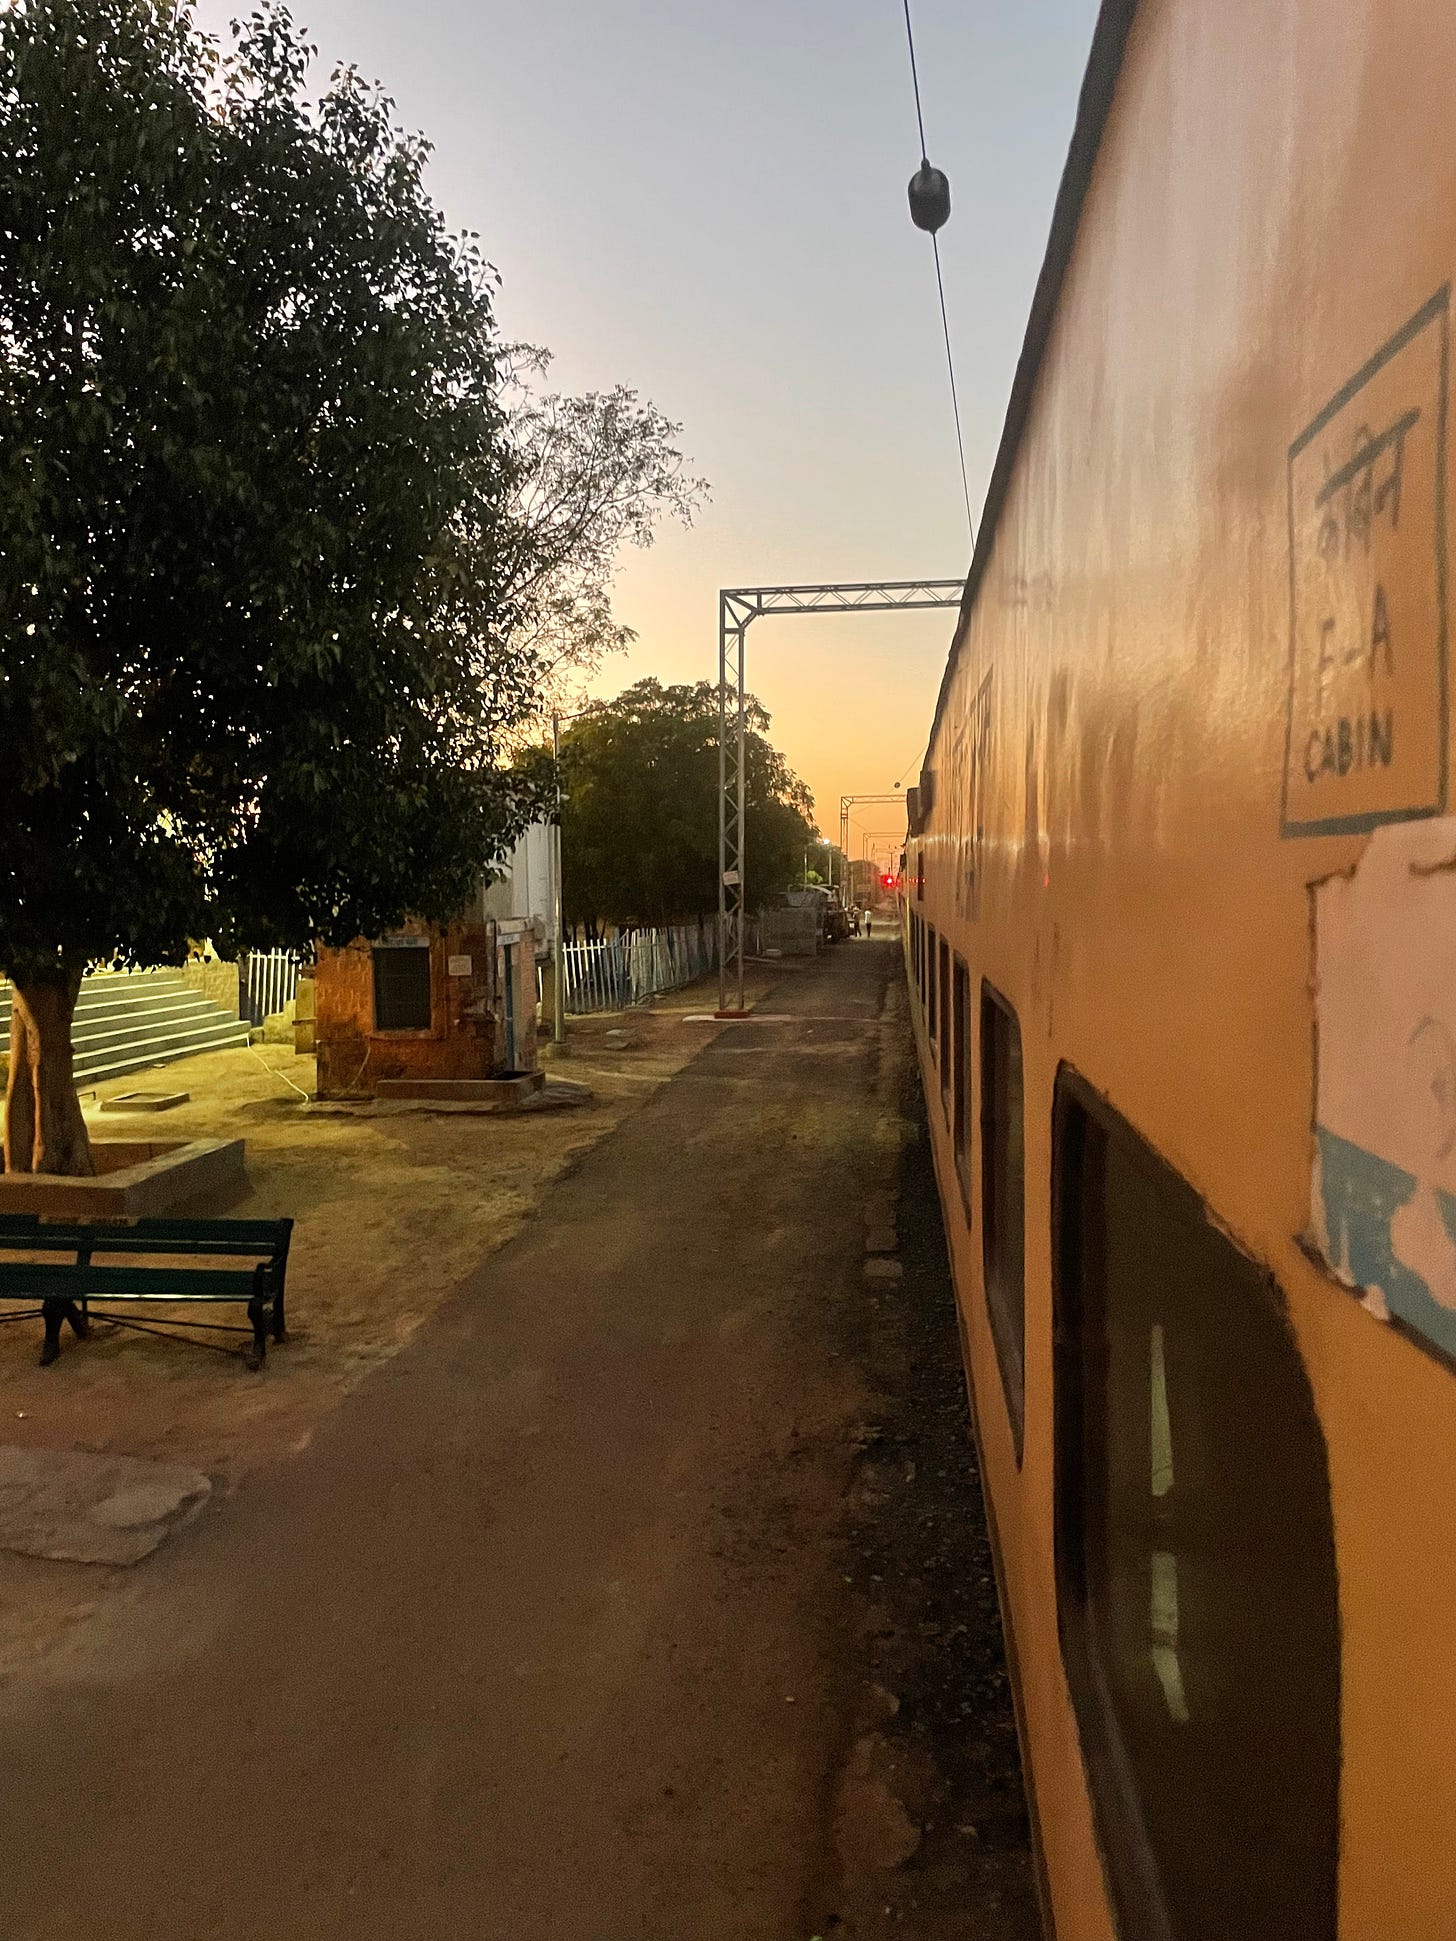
269, 980
635, 965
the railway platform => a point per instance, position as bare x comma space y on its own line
644, 1594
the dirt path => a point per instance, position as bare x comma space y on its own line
565, 1627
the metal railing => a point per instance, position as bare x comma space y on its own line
269, 980
635, 965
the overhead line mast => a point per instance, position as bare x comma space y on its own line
738, 608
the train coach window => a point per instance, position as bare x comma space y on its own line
961, 1087
947, 1035
931, 1020
1196, 1587
1003, 1197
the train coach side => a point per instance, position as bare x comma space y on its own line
1180, 905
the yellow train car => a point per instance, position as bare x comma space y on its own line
1181, 926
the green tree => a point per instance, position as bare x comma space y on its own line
639, 824
826, 864
258, 666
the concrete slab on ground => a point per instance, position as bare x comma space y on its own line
79, 1508
552, 1095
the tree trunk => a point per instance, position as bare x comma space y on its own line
44, 1129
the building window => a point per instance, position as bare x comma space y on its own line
1196, 1584
402, 987
932, 1023
1003, 1198
947, 1035
961, 1087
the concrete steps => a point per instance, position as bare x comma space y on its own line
127, 1021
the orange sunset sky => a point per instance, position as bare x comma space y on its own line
707, 202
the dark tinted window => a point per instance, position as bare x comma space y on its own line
932, 1022
1003, 1196
947, 1035
401, 988
1195, 1556
961, 1083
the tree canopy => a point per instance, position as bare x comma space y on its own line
260, 660
639, 820
593, 474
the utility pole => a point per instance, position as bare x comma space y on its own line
558, 957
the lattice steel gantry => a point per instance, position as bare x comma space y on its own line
846, 803
738, 608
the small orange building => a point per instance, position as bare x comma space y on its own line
425, 1003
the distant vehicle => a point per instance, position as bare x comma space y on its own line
833, 917
836, 921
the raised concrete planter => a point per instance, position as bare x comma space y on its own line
133, 1177
478, 1091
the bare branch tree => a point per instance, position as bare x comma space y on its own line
594, 474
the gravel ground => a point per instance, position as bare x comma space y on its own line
937, 1717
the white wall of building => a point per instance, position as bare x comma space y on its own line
524, 892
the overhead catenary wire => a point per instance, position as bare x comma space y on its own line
955, 403
915, 82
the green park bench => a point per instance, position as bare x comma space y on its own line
66, 1289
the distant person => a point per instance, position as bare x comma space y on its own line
854, 918
869, 923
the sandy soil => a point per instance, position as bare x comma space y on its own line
643, 1592
392, 1211
642, 1596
